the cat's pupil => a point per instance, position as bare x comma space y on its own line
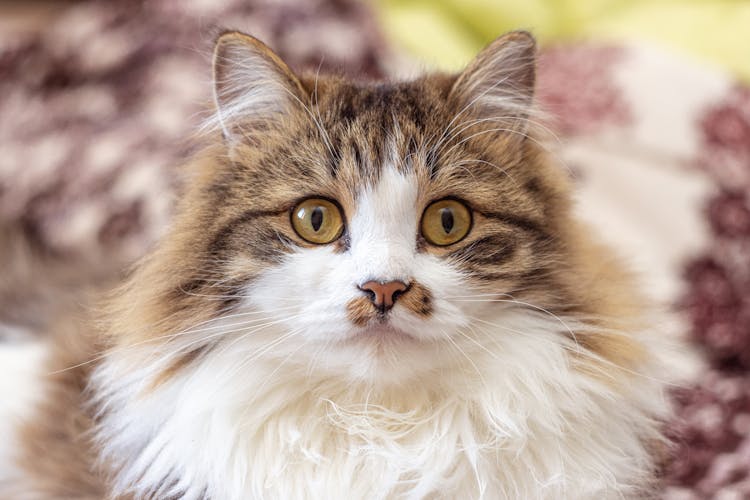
316, 218
446, 218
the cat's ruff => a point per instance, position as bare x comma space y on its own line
490, 428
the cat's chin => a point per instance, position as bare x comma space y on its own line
382, 333
382, 355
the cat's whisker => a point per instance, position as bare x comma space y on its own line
500, 119
335, 154
258, 353
503, 171
587, 321
224, 331
314, 359
490, 131
446, 142
467, 125
270, 376
470, 104
247, 330
529, 305
447, 337
228, 375
578, 351
493, 295
256, 329
157, 359
488, 294
152, 340
236, 296
474, 341
547, 312
323, 133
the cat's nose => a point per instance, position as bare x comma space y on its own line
384, 294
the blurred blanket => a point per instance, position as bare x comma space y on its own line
97, 114
660, 148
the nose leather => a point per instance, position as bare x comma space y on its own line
384, 294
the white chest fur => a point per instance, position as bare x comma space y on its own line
516, 420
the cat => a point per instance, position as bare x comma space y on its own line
370, 290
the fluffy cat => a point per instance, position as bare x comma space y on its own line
371, 290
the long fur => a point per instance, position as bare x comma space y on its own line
241, 361
511, 419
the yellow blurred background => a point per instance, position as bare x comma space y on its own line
447, 33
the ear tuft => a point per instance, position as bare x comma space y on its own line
253, 87
499, 82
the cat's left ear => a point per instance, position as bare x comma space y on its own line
498, 85
253, 88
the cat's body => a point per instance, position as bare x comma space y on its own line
369, 350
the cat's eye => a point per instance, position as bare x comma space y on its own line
446, 222
317, 220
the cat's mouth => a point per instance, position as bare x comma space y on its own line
383, 331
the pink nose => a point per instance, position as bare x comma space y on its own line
384, 295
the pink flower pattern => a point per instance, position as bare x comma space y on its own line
576, 88
712, 433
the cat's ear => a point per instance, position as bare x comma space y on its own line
253, 87
498, 85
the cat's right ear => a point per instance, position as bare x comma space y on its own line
253, 88
497, 87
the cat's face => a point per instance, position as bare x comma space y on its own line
374, 227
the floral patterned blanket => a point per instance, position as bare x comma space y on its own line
660, 147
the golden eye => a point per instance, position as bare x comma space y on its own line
446, 222
317, 220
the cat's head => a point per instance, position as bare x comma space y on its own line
371, 229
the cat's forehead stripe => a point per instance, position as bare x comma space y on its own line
361, 122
